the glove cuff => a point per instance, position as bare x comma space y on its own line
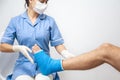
15, 48
66, 54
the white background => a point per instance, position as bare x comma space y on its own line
84, 24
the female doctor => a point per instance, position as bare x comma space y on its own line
32, 27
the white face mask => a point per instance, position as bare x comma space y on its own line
40, 7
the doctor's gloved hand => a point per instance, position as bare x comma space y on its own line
24, 50
66, 54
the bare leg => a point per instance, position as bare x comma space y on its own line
106, 53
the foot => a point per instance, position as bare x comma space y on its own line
46, 64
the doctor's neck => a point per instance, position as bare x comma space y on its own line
32, 14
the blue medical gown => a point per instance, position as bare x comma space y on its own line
43, 31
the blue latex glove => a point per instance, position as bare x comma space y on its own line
46, 64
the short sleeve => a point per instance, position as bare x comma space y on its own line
55, 35
9, 34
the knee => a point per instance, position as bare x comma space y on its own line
105, 49
24, 77
43, 77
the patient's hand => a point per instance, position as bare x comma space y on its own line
36, 48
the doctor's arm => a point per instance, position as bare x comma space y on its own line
4, 47
63, 51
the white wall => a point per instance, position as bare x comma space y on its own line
84, 24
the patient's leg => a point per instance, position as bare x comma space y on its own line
106, 53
